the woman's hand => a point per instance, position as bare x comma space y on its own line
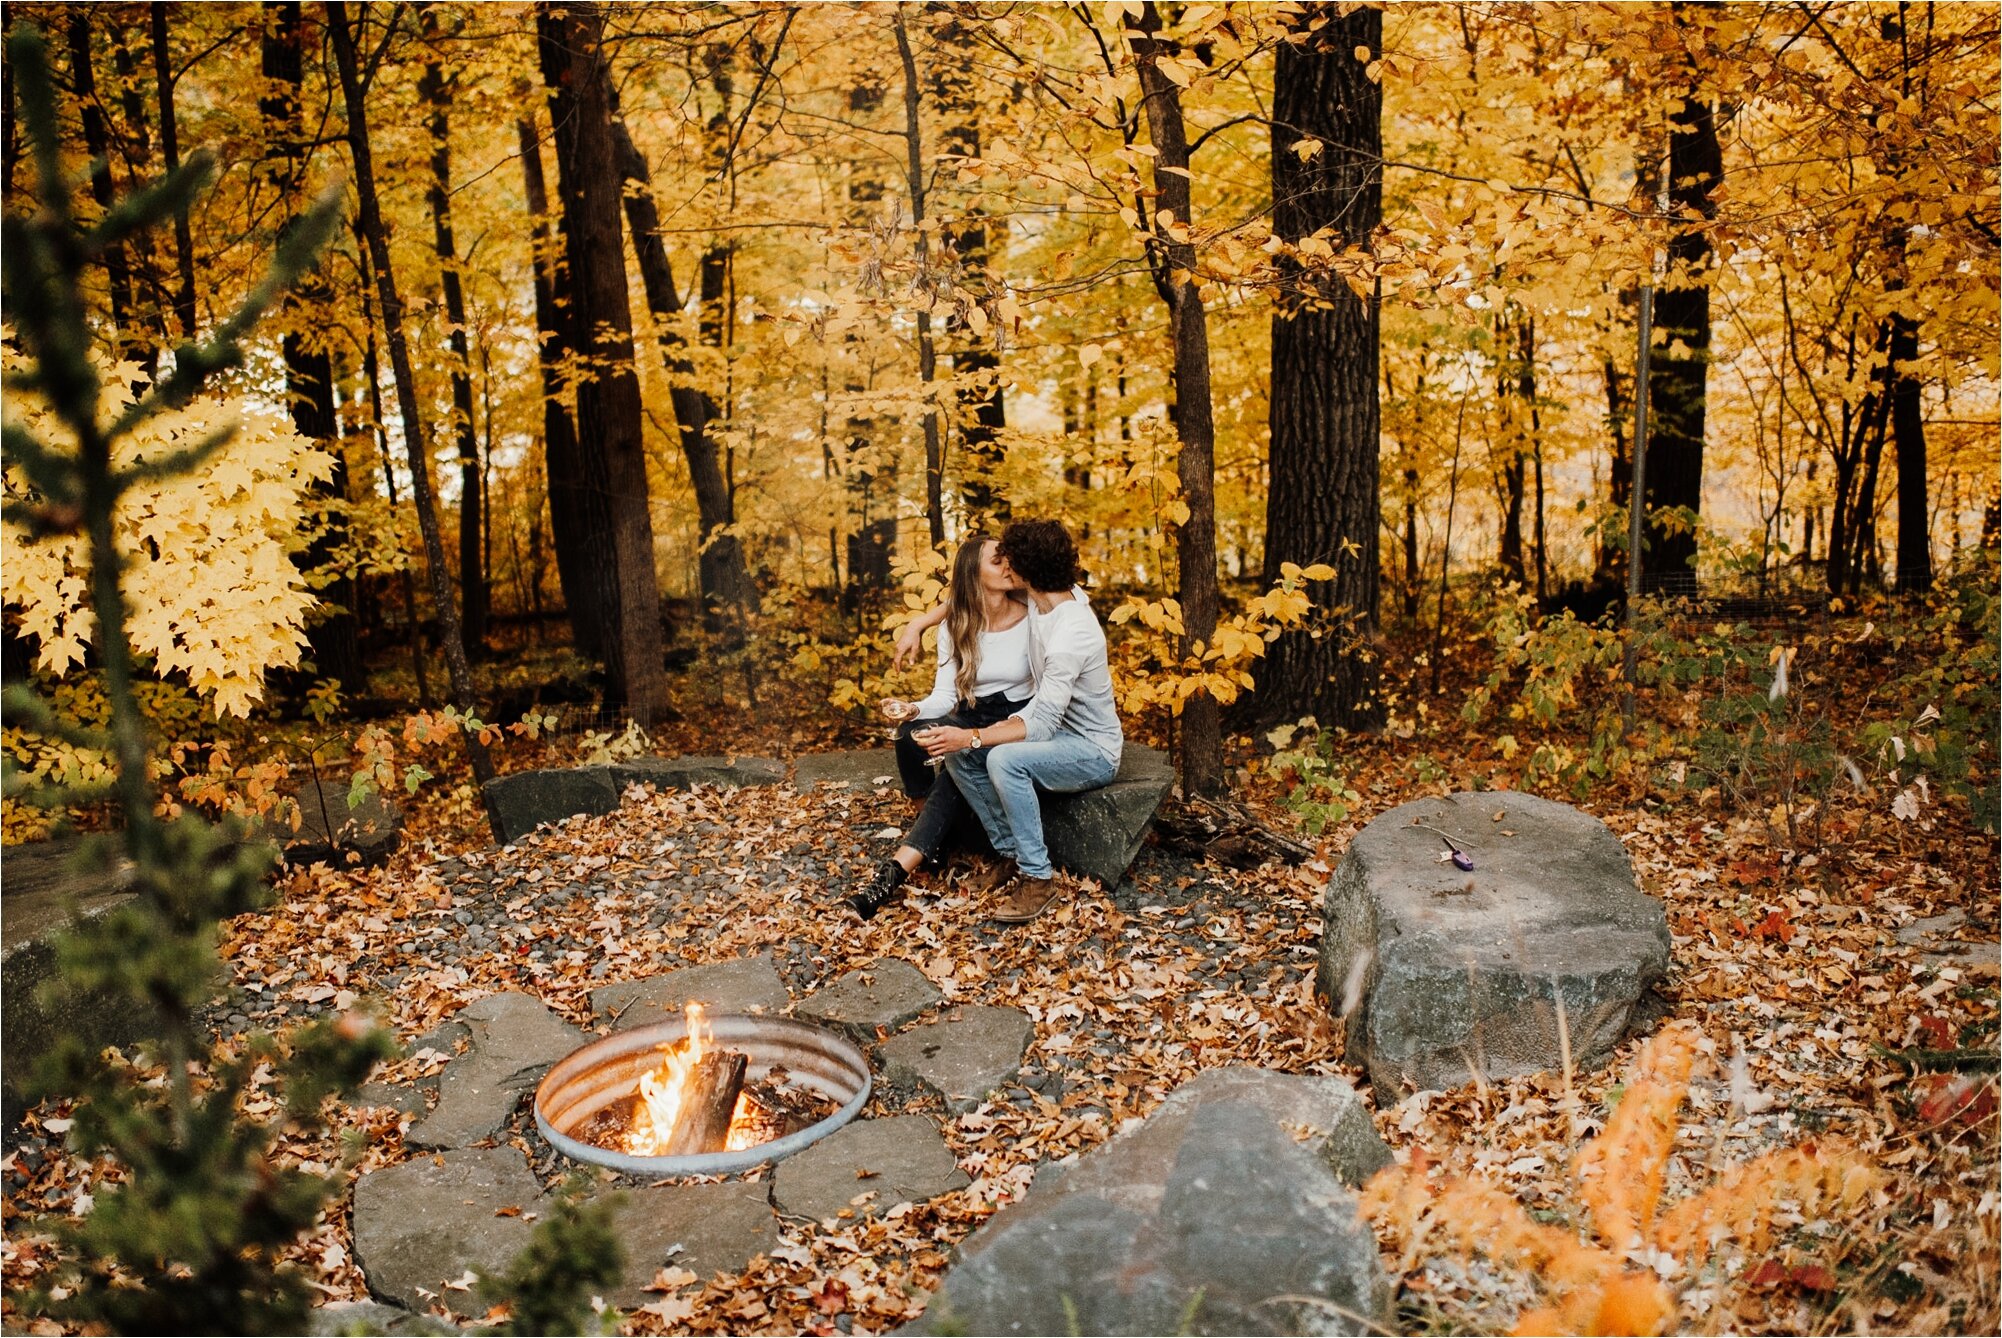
910, 641
944, 740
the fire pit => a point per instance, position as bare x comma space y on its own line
698, 1095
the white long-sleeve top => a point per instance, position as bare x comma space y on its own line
1004, 668
1073, 681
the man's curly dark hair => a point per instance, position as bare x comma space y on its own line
1041, 552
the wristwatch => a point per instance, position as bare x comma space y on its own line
976, 740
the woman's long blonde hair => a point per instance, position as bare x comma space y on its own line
963, 617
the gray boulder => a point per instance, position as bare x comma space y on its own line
1220, 1223
422, 1225
330, 832
681, 773
1454, 973
1322, 1112
1097, 833
524, 801
344, 1317
514, 1038
854, 768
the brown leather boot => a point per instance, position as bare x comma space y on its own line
1027, 898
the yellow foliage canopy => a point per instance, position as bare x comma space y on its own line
212, 590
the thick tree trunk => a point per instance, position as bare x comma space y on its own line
559, 429
1195, 537
726, 583
1322, 503
97, 142
170, 153
611, 449
436, 91
1908, 429
309, 370
139, 149
1678, 381
414, 436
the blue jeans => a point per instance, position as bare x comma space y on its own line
1000, 784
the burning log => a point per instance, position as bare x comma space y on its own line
707, 1105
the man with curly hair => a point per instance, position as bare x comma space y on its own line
1067, 738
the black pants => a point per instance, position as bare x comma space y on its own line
944, 809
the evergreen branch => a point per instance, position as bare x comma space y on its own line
180, 462
50, 472
149, 204
194, 363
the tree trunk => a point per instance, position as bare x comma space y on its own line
145, 259
611, 448
436, 91
170, 153
927, 351
371, 364
1908, 428
726, 583
976, 365
97, 142
334, 641
1325, 414
1195, 537
1611, 564
414, 437
559, 430
1678, 381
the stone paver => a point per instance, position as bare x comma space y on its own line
746, 985
1456, 973
514, 1038
883, 995
1228, 1226
706, 1229
426, 1222
963, 1056
897, 1160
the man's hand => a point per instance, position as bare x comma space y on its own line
944, 740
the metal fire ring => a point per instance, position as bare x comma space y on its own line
587, 1080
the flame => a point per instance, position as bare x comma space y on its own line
664, 1089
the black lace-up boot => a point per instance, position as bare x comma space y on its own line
885, 888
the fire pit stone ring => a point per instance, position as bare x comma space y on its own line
584, 1082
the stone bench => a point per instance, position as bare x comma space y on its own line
1093, 833
1447, 974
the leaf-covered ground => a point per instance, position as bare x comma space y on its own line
1794, 971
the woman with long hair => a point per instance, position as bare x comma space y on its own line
983, 678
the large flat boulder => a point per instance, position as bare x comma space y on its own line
1097, 833
420, 1226
881, 996
1219, 1223
682, 773
1324, 1113
853, 768
527, 799
514, 1038
1454, 973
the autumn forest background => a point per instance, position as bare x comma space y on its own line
661, 353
